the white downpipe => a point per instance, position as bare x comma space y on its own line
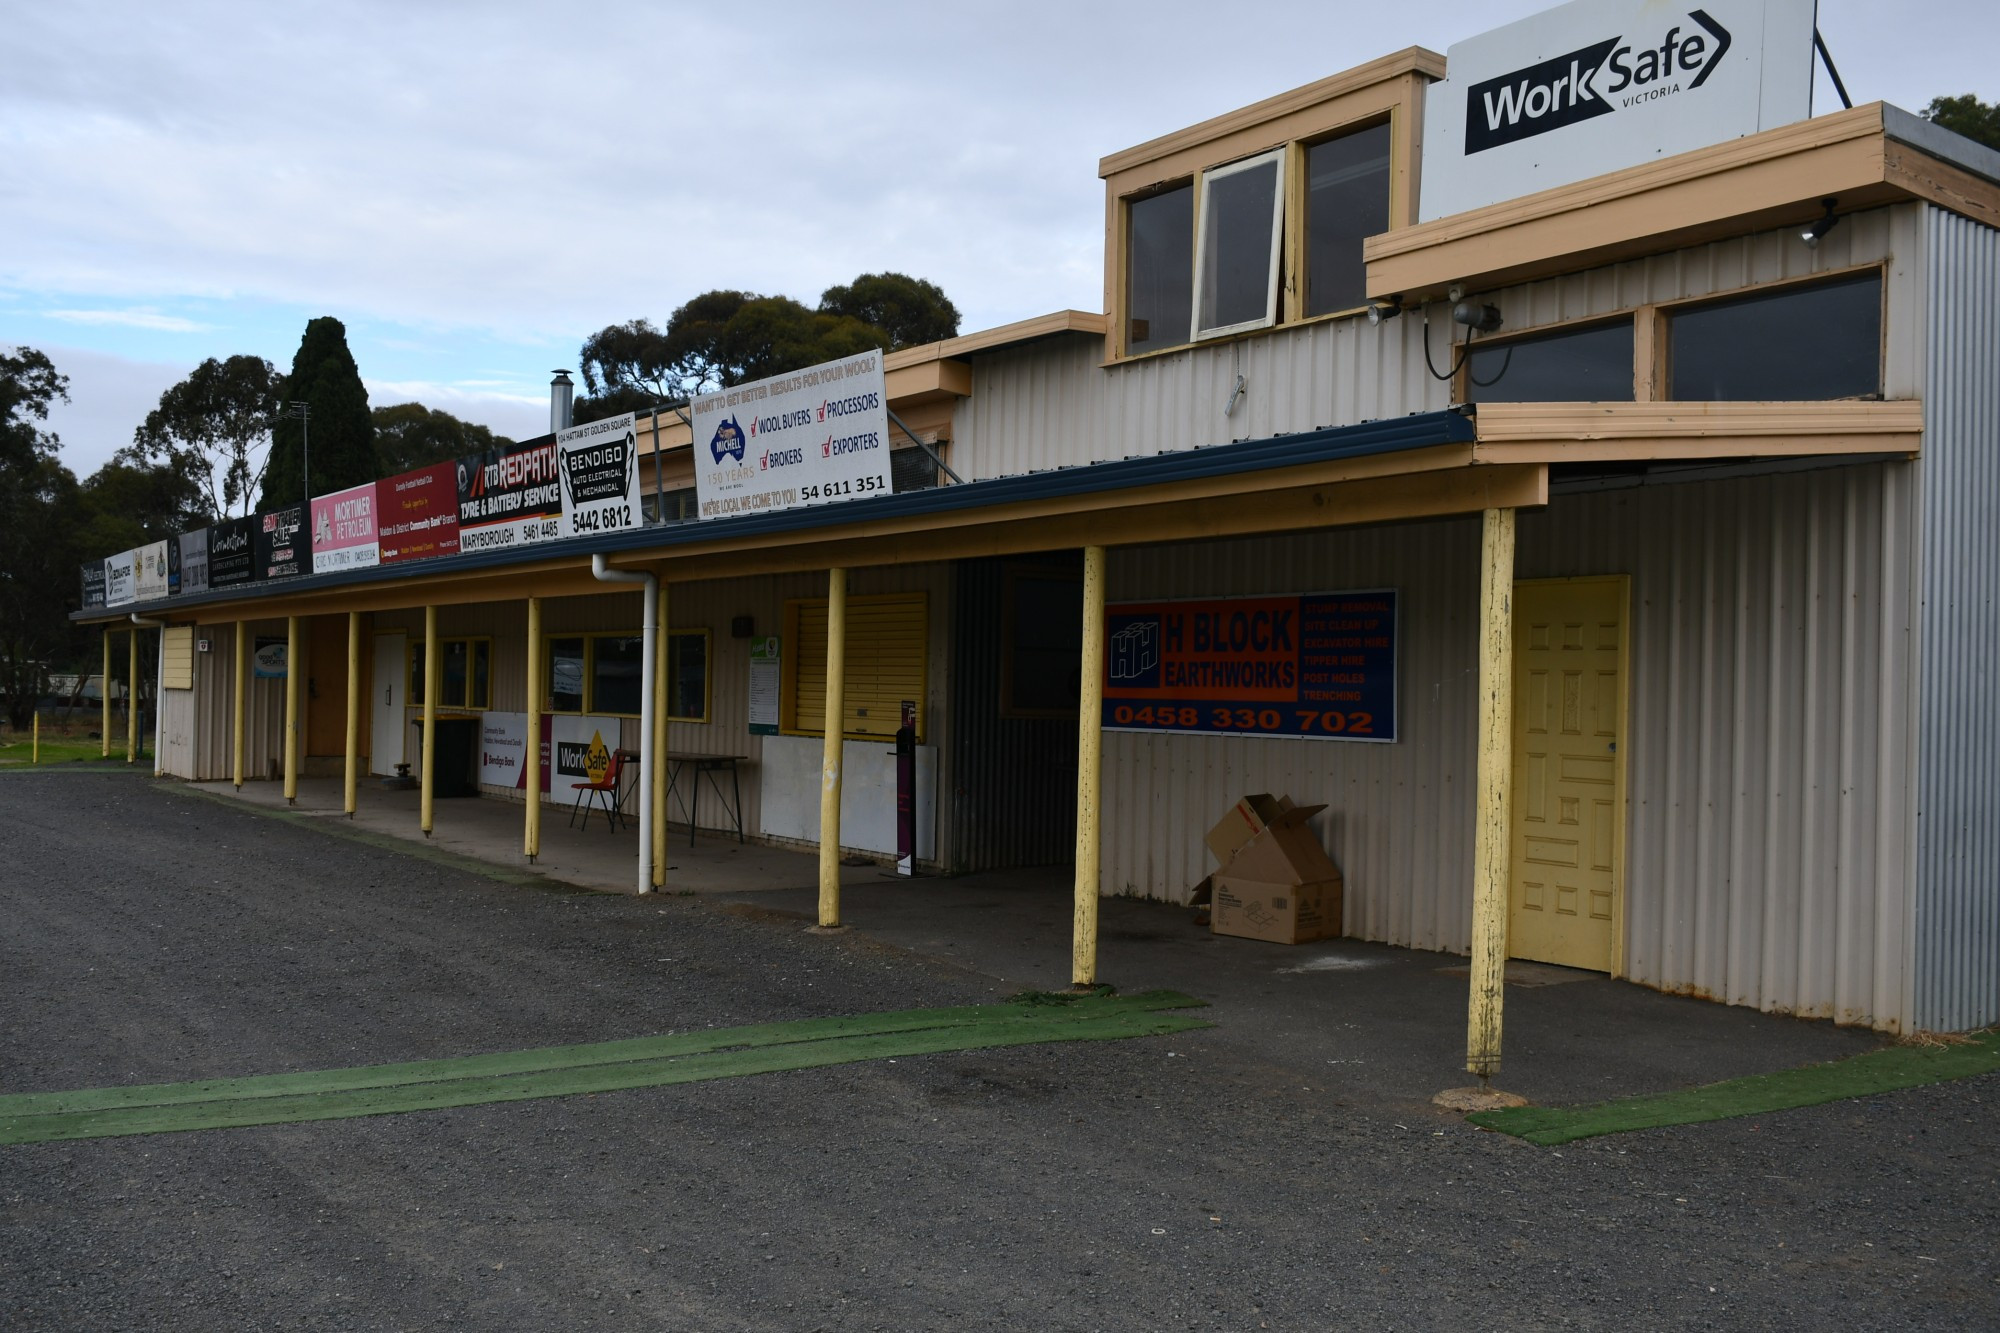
159, 691
649, 658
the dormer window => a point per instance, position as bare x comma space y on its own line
1267, 239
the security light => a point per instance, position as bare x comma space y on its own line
1379, 311
1821, 226
1477, 316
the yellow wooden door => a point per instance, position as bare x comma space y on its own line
1566, 903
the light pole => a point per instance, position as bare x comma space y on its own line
303, 411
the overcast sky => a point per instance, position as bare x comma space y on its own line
475, 188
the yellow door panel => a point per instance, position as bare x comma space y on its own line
1569, 707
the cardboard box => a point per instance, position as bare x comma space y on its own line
1280, 885
1245, 820
1280, 913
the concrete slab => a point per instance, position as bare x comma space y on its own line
1367, 1023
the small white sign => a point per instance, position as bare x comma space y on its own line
121, 578
812, 437
151, 578
1598, 85
503, 749
766, 682
599, 465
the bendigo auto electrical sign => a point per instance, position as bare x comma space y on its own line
1320, 665
1598, 85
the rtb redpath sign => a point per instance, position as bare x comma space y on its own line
1598, 85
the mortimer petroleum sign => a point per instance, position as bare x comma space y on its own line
1597, 85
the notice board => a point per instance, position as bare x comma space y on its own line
1320, 666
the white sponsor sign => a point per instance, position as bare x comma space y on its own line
121, 578
599, 466
1598, 85
343, 530
813, 437
503, 749
151, 576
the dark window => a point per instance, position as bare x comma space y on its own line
616, 664
1591, 365
1160, 269
1238, 277
1347, 199
1798, 344
687, 677
1043, 651
464, 669
566, 675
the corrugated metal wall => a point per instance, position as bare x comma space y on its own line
1769, 735
1958, 843
197, 722
1051, 404
1014, 790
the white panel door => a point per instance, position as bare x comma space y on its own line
387, 732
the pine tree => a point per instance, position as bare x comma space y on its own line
339, 432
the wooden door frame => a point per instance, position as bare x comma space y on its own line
1621, 757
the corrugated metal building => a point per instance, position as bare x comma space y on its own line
1796, 809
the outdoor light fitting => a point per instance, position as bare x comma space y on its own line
1477, 316
1824, 224
1379, 311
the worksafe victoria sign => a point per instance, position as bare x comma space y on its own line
1317, 665
811, 437
1598, 85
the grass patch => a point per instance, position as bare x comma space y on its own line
1886, 1070
58, 752
642, 1062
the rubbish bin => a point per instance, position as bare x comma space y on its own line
457, 748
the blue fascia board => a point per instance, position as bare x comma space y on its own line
1422, 430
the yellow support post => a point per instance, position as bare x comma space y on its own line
353, 708
1491, 800
829, 777
104, 700
132, 700
1089, 784
432, 679
35, 747
656, 748
531, 829
294, 674
242, 689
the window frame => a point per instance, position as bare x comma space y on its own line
589, 707
1666, 310
1127, 186
413, 684
1635, 316
1279, 158
1298, 280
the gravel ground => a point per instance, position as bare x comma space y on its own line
1177, 1182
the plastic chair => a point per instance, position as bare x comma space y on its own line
608, 789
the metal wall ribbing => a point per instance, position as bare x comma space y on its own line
1957, 927
1769, 758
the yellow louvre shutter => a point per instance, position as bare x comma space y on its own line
886, 639
178, 640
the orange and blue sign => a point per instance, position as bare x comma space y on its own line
1317, 665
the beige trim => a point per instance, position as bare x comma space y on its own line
1632, 432
1006, 335
1763, 181
1390, 68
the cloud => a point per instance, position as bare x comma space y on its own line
151, 320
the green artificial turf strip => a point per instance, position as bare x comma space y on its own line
1857, 1076
567, 1071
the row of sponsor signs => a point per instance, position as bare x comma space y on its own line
806, 438
580, 482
